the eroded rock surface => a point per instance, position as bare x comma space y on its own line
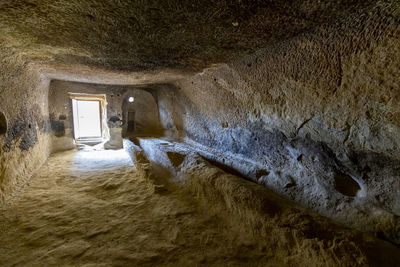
93, 207
297, 96
316, 112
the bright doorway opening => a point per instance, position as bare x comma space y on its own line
87, 118
88, 113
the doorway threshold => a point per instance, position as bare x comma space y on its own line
89, 141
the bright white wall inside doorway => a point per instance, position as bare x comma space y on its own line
87, 118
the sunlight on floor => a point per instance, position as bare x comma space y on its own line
99, 160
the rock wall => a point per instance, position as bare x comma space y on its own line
318, 113
171, 109
24, 135
287, 231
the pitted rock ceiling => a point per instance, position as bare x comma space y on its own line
143, 35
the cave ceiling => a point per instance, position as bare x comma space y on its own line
147, 35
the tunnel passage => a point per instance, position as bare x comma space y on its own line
3, 123
62, 95
242, 81
141, 114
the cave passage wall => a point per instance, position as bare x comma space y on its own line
315, 116
24, 139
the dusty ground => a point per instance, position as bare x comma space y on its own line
83, 209
94, 208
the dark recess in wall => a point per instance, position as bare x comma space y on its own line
346, 185
23, 129
114, 119
58, 127
3, 124
176, 158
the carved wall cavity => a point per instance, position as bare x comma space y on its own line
3, 123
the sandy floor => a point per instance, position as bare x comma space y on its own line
94, 209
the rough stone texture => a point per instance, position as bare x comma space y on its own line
150, 34
93, 208
270, 218
318, 113
171, 110
305, 104
23, 102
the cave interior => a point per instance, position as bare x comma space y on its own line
225, 133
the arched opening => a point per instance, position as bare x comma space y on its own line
140, 114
